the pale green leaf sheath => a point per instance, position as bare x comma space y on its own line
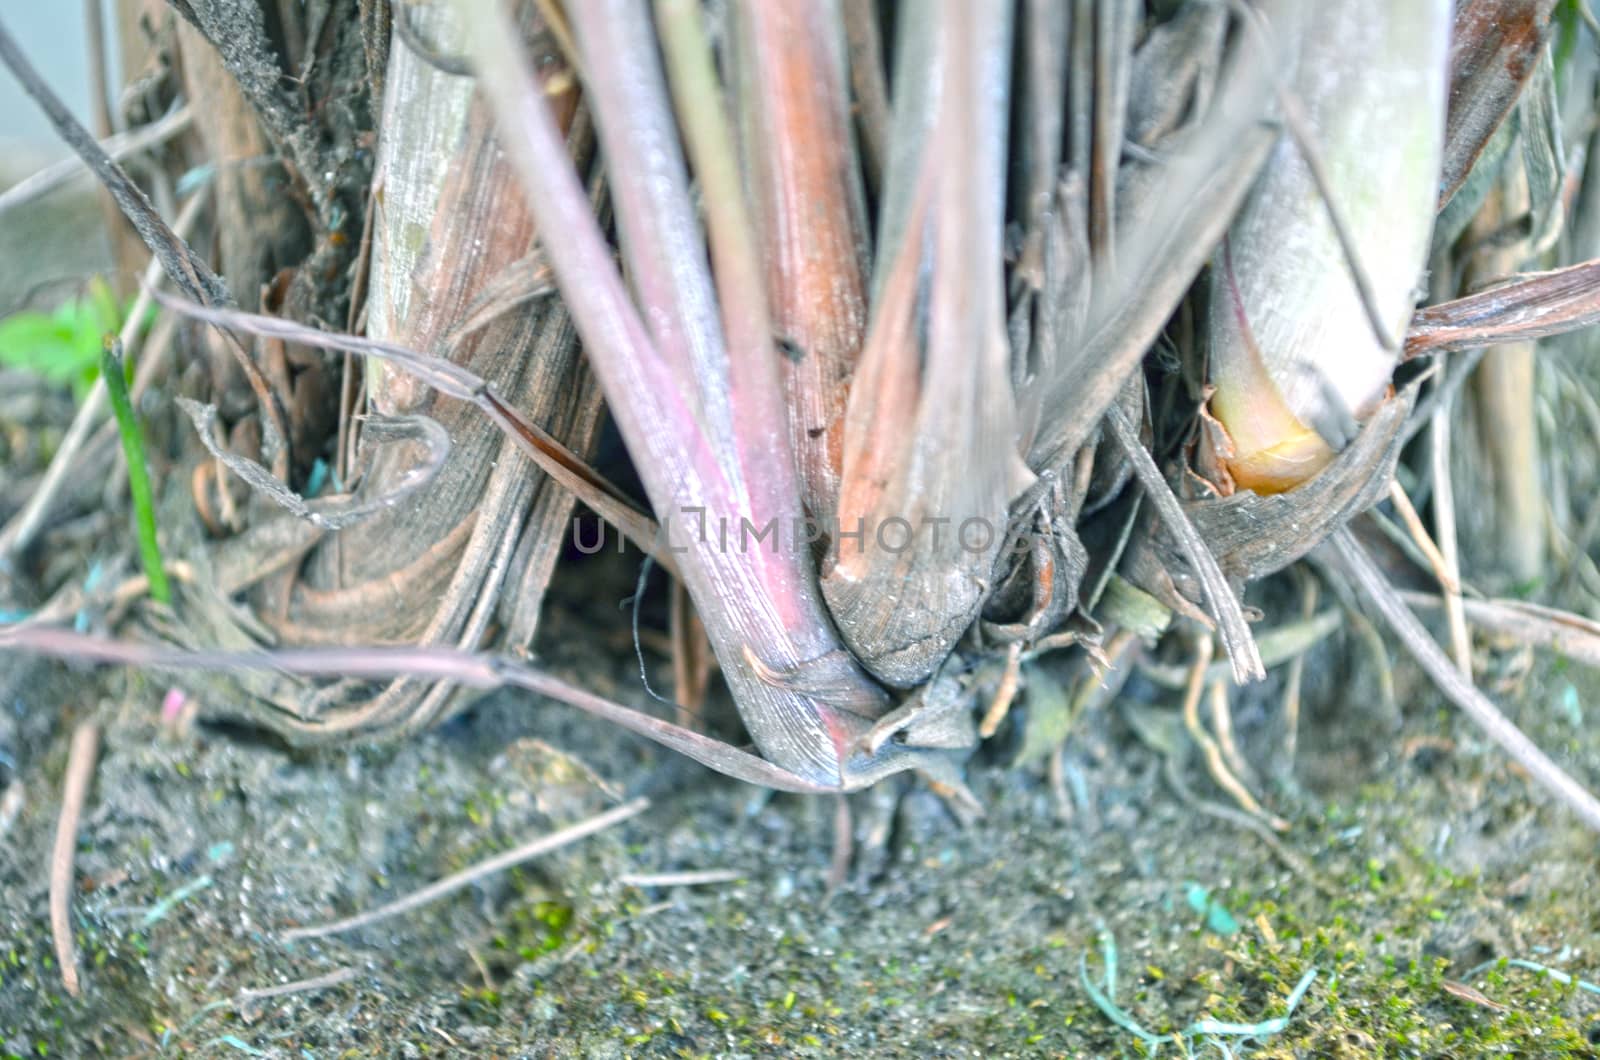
1294, 358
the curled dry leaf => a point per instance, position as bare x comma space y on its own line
1528, 306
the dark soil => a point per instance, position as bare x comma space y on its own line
200, 845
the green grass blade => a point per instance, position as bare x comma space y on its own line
144, 514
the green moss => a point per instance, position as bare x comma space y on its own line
481, 1002
536, 929
1364, 996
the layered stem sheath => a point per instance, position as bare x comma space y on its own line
699, 417
930, 438
805, 189
1295, 359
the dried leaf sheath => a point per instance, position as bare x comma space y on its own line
1494, 49
928, 483
452, 223
805, 189
1533, 305
802, 698
881, 412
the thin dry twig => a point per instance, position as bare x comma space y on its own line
1222, 724
75, 789
466, 877
1239, 819
555, 459
1004, 693
1215, 765
1224, 606
475, 670
1572, 635
117, 147
691, 878
1460, 691
428, 433
1278, 646
255, 995
186, 268
1444, 521
1419, 535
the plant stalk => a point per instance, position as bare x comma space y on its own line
803, 699
803, 174
1297, 360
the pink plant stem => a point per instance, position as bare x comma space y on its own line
804, 700
472, 669
809, 209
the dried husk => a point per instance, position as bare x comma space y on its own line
451, 224
1494, 48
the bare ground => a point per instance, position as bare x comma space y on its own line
199, 846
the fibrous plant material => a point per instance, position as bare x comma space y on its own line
454, 269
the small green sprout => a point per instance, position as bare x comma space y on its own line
144, 515
63, 346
